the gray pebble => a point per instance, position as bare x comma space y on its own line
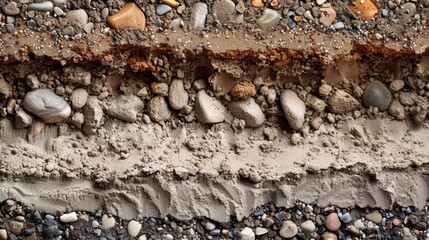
339, 25
240, 7
31, 24
47, 105
270, 18
378, 36
24, 1
10, 27
300, 11
77, 17
198, 15
346, 218
58, 11
105, 13
11, 9
31, 14
44, 6
384, 12
162, 9
10, 19
291, 23
223, 10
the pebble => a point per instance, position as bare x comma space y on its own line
260, 231
129, 17
339, 25
22, 119
77, 17
107, 222
325, 90
320, 2
223, 10
209, 226
248, 110
134, 228
384, 12
209, 110
198, 15
257, 3
50, 228
171, 3
93, 114
407, 98
162, 9
396, 85
332, 222
125, 108
243, 90
3, 234
78, 98
377, 95
68, 217
11, 9
342, 102
269, 19
329, 236
240, 7
365, 9
407, 234
397, 110
288, 229
359, 224
104, 13
47, 105
177, 96
43, 6
316, 103
330, 15
308, 227
15, 227
158, 110
247, 234
58, 11
31, 24
294, 109
346, 218
374, 216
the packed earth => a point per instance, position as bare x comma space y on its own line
217, 119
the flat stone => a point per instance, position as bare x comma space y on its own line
198, 15
125, 108
11, 9
45, 104
247, 234
308, 227
329, 17
22, 119
294, 109
43, 6
248, 110
342, 102
332, 222
158, 110
93, 114
68, 217
88, 27
77, 17
107, 222
162, 9
208, 109
129, 17
260, 231
78, 98
223, 10
374, 216
15, 227
288, 229
269, 18
177, 95
134, 228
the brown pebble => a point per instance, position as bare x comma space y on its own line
366, 9
258, 3
332, 222
396, 222
329, 236
129, 17
243, 90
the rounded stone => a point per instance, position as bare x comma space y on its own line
78, 98
107, 222
77, 17
134, 228
377, 95
294, 109
288, 229
308, 227
47, 105
68, 217
332, 222
247, 234
158, 109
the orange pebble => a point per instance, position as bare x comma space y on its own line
366, 9
258, 3
274, 3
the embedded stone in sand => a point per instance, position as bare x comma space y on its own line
294, 108
129, 17
208, 109
125, 108
249, 111
366, 9
270, 18
198, 16
342, 102
47, 105
377, 95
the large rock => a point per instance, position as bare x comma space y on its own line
93, 114
158, 109
223, 10
198, 15
208, 109
45, 104
78, 98
249, 111
177, 96
294, 109
129, 17
125, 108
342, 102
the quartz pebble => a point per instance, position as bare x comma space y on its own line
294, 109
248, 110
43, 6
270, 18
134, 228
208, 109
47, 105
129, 17
198, 15
68, 217
162, 9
